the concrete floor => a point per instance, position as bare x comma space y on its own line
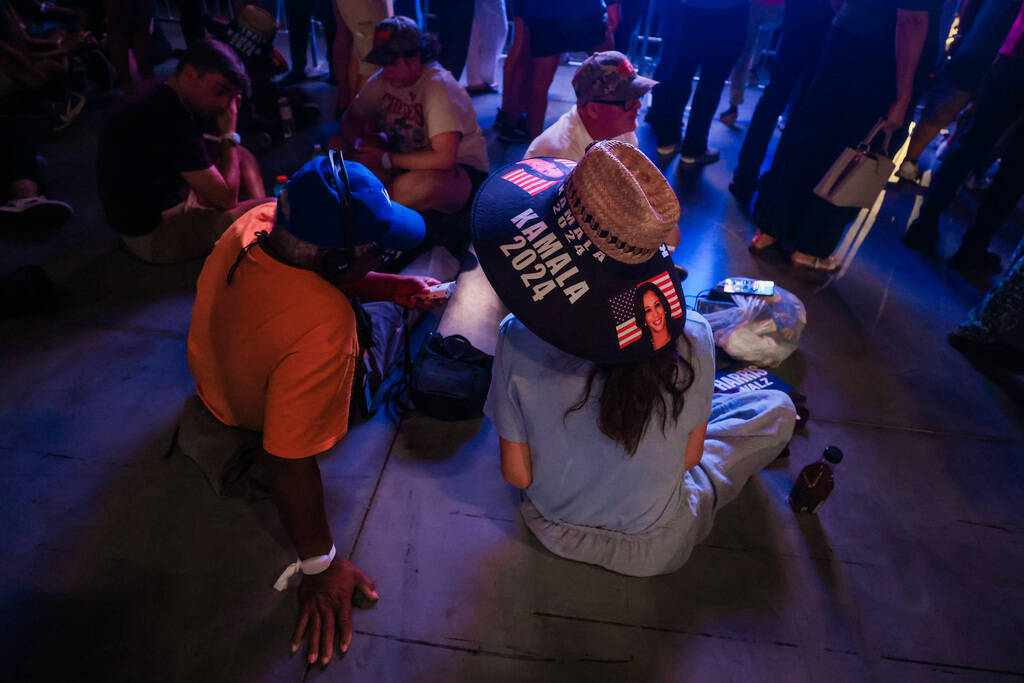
122, 565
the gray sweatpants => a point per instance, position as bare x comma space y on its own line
745, 433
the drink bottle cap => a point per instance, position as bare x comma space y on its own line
833, 454
281, 179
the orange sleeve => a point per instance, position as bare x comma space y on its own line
307, 403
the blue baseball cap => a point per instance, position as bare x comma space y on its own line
312, 208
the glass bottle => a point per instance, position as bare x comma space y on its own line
815, 482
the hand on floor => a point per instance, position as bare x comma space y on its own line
325, 603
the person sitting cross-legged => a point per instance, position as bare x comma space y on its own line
273, 348
602, 383
413, 125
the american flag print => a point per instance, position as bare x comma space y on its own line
530, 184
626, 328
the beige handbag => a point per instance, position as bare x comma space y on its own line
858, 175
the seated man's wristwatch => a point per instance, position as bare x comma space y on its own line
233, 139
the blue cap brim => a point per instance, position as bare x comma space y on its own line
402, 230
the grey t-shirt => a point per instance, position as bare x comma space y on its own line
581, 476
432, 105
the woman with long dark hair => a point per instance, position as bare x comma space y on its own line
602, 390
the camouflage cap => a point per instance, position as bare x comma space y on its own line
609, 76
392, 38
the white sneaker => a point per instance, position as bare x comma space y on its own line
909, 170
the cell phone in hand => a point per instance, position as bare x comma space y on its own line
746, 285
442, 290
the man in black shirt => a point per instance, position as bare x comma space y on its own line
168, 186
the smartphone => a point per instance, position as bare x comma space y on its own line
443, 290
746, 285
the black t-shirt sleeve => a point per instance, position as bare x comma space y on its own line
189, 151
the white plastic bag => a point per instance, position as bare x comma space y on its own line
763, 330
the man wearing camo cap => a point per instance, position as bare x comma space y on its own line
608, 91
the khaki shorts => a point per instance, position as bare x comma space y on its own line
184, 233
361, 17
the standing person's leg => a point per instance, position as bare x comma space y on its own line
490, 28
516, 74
299, 14
839, 107
323, 10
719, 48
537, 104
341, 57
998, 103
786, 72
632, 11
356, 20
997, 205
674, 74
455, 19
738, 75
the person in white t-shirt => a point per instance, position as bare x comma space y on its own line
608, 93
413, 125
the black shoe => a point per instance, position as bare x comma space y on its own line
293, 77
512, 134
975, 262
986, 352
922, 235
743, 194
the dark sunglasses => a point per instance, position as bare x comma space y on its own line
391, 58
625, 105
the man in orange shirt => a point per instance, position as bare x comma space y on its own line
273, 347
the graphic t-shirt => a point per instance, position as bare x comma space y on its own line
432, 105
275, 350
581, 476
567, 138
147, 143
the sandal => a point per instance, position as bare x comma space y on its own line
821, 265
760, 242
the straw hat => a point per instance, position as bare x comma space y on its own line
635, 219
258, 20
567, 247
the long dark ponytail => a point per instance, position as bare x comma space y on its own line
633, 395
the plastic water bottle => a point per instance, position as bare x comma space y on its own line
279, 182
815, 482
318, 151
287, 120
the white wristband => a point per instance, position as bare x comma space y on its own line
320, 563
310, 566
